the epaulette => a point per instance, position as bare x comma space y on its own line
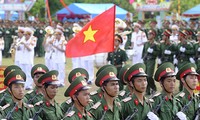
162, 41
28, 105
96, 105
157, 94
29, 92
122, 93
126, 99
69, 101
181, 94
38, 103
70, 113
5, 106
93, 93
151, 100
2, 91
177, 100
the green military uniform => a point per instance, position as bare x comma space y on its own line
167, 107
184, 96
100, 110
150, 60
48, 111
39, 49
131, 105
74, 114
7, 41
34, 95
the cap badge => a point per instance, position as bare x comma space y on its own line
111, 74
78, 74
18, 77
83, 83
168, 70
39, 69
53, 77
193, 69
141, 70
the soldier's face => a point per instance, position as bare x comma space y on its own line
18, 90
112, 88
169, 84
84, 97
52, 90
191, 80
140, 83
27, 36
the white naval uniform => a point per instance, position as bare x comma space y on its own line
48, 52
27, 60
58, 58
18, 51
138, 40
1, 48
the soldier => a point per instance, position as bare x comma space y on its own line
80, 95
188, 76
16, 109
66, 106
48, 108
153, 26
137, 107
149, 55
7, 39
167, 49
36, 95
108, 108
165, 105
174, 35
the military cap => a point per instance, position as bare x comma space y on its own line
137, 70
183, 33
187, 69
49, 78
141, 22
102, 68
136, 25
58, 31
107, 74
165, 70
10, 68
119, 23
122, 73
76, 73
175, 27
153, 22
152, 32
28, 31
49, 30
17, 76
78, 84
39, 68
20, 30
167, 33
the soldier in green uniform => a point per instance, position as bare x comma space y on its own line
153, 27
66, 106
16, 109
137, 107
40, 33
80, 95
7, 40
108, 108
167, 49
36, 95
149, 55
185, 51
166, 104
188, 76
48, 108
5, 95
119, 57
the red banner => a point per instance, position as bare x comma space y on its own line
2, 68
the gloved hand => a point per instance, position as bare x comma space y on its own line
175, 61
191, 60
149, 50
181, 116
152, 116
167, 52
199, 49
182, 49
159, 61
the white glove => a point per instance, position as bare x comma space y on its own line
167, 52
199, 49
191, 60
152, 116
182, 49
149, 50
181, 116
175, 61
159, 61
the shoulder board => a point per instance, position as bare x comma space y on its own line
29, 92
28, 105
181, 94
70, 113
69, 101
5, 106
122, 93
177, 100
157, 94
93, 93
2, 91
127, 99
96, 105
151, 100
38, 103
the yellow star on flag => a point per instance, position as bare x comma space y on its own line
89, 34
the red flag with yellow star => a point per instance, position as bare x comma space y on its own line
97, 36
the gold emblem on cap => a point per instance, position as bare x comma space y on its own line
141, 69
83, 83
111, 74
53, 77
39, 69
12, 70
78, 74
168, 70
18, 77
193, 69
